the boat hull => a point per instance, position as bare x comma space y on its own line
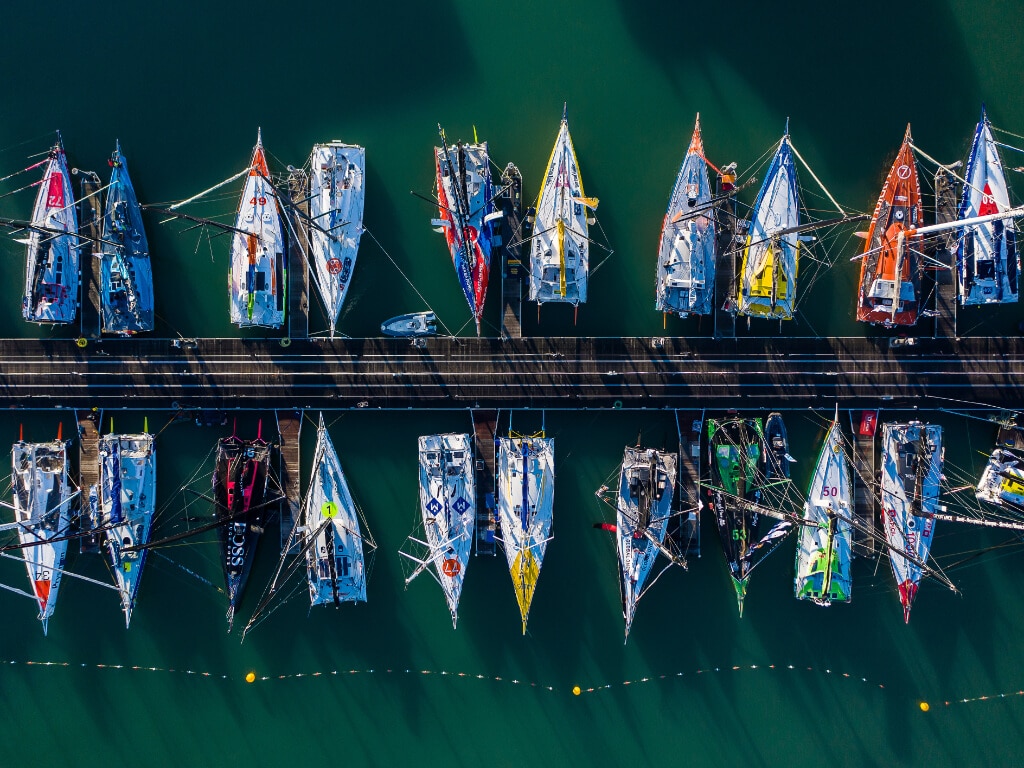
126, 274
890, 282
335, 565
336, 202
686, 257
42, 507
1002, 481
771, 255
526, 492
988, 263
912, 456
415, 324
824, 542
126, 503
447, 491
465, 197
257, 281
643, 509
560, 249
52, 265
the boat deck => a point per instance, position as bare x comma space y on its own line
289, 428
90, 217
298, 261
484, 426
88, 468
865, 499
945, 280
689, 425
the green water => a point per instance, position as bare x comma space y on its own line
185, 93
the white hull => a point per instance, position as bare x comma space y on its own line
337, 196
1002, 480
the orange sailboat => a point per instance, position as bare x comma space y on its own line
890, 281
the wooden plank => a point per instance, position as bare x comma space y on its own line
689, 426
88, 470
298, 257
945, 280
484, 426
865, 500
90, 217
511, 234
289, 430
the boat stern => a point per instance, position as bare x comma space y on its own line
740, 585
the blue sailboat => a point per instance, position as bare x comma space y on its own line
126, 276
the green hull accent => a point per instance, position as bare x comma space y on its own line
740, 585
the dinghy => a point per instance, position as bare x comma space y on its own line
686, 258
257, 277
51, 270
126, 275
336, 199
413, 324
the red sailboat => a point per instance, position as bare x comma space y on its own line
890, 281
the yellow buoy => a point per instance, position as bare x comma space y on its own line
82, 342
576, 691
924, 706
251, 677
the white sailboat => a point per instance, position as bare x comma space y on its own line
526, 493
126, 501
331, 536
447, 493
257, 280
824, 540
51, 270
686, 258
642, 512
336, 197
42, 514
560, 250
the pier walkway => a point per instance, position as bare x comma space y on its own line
88, 468
529, 372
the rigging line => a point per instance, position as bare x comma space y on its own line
24, 170
406, 278
237, 176
64, 572
813, 176
21, 189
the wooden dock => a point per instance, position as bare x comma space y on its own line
511, 238
689, 426
298, 256
484, 427
945, 280
88, 470
289, 430
90, 216
865, 495
729, 229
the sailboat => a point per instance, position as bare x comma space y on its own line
686, 258
825, 539
772, 251
738, 481
646, 485
890, 280
1002, 481
988, 264
332, 540
336, 198
126, 275
526, 494
240, 481
51, 270
448, 510
42, 498
912, 457
465, 202
258, 267
126, 501
560, 251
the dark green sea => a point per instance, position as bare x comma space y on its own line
184, 88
